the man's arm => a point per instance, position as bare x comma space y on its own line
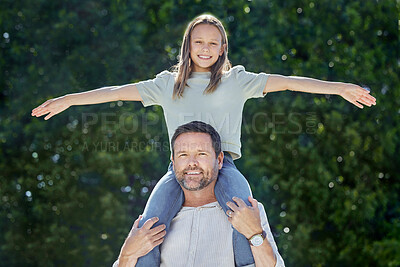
140, 241
250, 221
351, 92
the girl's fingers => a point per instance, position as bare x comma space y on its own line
365, 93
48, 116
41, 113
357, 104
365, 100
45, 103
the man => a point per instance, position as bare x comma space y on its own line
201, 234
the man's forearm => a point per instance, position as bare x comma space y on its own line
309, 85
126, 262
264, 255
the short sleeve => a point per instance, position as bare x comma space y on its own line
270, 237
153, 91
252, 84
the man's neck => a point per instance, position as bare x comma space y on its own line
199, 198
198, 202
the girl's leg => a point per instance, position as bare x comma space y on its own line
165, 201
231, 183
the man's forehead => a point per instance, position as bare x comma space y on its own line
193, 141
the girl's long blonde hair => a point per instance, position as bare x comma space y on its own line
185, 66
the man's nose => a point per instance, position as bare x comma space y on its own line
193, 161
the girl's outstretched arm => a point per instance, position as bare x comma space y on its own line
54, 106
351, 92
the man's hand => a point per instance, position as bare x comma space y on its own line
246, 220
141, 241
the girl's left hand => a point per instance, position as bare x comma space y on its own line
356, 95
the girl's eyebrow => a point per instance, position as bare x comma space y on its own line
203, 38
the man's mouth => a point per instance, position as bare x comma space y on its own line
192, 172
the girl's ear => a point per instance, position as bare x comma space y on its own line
223, 47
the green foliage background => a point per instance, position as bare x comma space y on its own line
326, 171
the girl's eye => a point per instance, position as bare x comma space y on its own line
197, 42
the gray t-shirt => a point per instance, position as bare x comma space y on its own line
222, 109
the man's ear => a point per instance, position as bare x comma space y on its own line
173, 163
220, 160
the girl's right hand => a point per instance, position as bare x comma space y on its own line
52, 106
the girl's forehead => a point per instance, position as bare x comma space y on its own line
206, 31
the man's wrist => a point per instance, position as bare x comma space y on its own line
124, 260
257, 239
255, 232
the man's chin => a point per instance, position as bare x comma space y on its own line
192, 186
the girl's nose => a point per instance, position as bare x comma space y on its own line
205, 48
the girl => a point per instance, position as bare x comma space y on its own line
204, 87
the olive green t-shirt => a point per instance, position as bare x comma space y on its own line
222, 109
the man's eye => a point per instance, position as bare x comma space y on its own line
182, 155
202, 154
197, 42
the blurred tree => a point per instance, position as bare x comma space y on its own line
326, 171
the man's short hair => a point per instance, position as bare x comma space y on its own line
198, 127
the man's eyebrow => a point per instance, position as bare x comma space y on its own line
198, 150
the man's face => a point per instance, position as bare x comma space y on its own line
194, 161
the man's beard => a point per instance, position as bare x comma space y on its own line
203, 182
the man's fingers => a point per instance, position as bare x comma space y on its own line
136, 223
159, 236
150, 222
232, 205
157, 229
253, 202
239, 202
229, 213
158, 242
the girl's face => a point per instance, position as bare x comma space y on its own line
205, 47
